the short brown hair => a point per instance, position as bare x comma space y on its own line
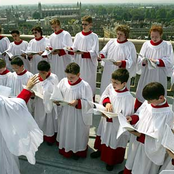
73, 68
2, 63
87, 18
124, 28
157, 28
54, 21
37, 28
121, 75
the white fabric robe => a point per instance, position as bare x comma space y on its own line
107, 131
4, 79
167, 167
19, 135
162, 51
4, 44
88, 67
74, 123
45, 112
116, 51
36, 46
148, 157
59, 63
16, 50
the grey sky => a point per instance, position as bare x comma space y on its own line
16, 2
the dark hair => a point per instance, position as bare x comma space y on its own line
17, 61
43, 66
87, 18
0, 29
123, 28
15, 32
121, 75
2, 63
73, 68
37, 28
153, 91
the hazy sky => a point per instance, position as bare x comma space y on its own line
16, 2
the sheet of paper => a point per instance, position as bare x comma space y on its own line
29, 52
5, 91
74, 51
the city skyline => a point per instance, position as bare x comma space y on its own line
22, 2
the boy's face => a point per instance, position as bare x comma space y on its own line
18, 69
156, 102
86, 26
155, 36
16, 37
117, 85
121, 36
55, 27
43, 74
36, 34
72, 77
2, 70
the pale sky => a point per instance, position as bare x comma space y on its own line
17, 2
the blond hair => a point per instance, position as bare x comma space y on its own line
87, 18
54, 21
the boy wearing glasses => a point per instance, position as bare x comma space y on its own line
38, 44
87, 42
58, 40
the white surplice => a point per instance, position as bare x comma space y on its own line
45, 112
36, 46
88, 66
59, 63
74, 123
117, 51
163, 51
5, 78
121, 102
148, 157
19, 135
16, 49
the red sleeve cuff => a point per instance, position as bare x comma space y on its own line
102, 56
62, 52
141, 139
71, 53
161, 63
79, 105
50, 48
123, 64
25, 95
173, 162
86, 55
106, 100
135, 119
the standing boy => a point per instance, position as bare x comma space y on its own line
74, 122
45, 113
17, 46
146, 153
58, 40
116, 98
87, 42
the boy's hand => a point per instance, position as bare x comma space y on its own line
170, 153
56, 52
108, 107
135, 133
73, 103
57, 103
117, 63
129, 119
41, 52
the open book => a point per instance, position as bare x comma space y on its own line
99, 109
108, 60
56, 96
10, 55
150, 64
74, 51
168, 139
48, 52
29, 52
5, 91
125, 125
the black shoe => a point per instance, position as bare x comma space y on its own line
109, 167
75, 157
95, 154
121, 172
